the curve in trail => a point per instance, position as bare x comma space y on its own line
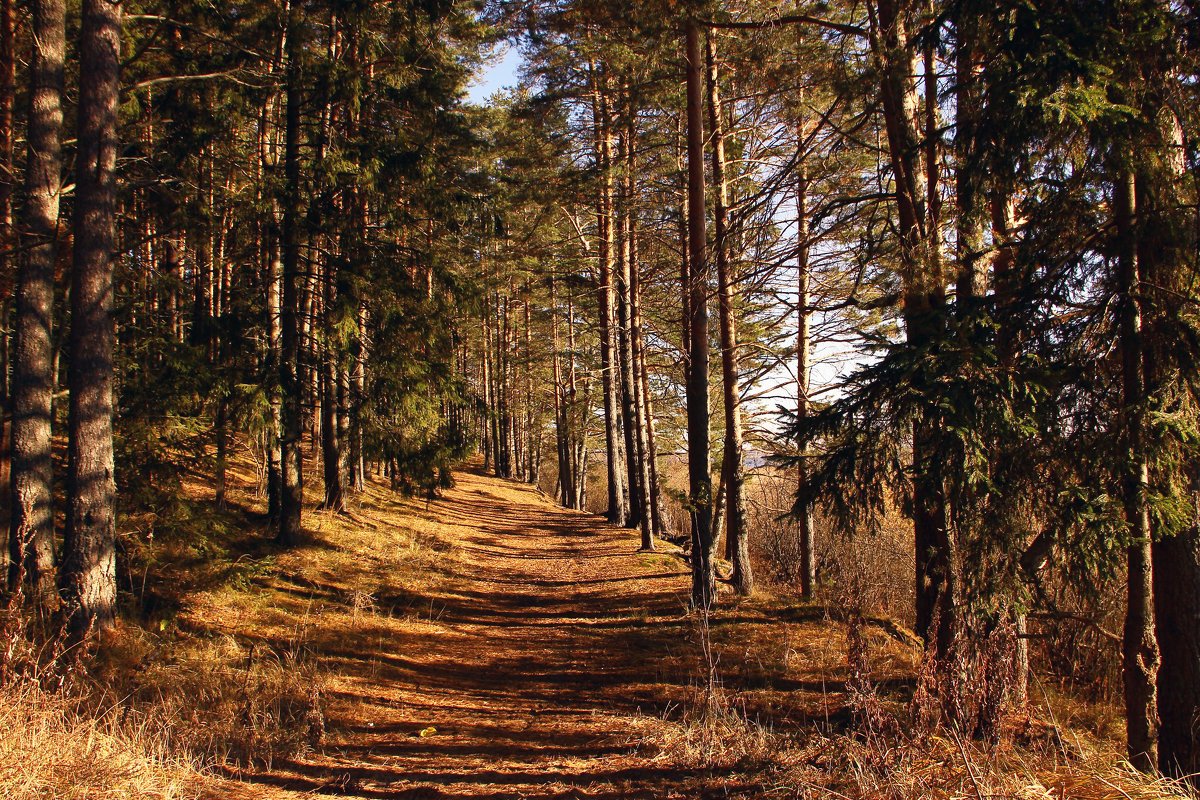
525, 674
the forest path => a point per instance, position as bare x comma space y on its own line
490, 644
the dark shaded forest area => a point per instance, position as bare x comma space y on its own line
864, 327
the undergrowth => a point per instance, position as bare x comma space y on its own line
218, 700
62, 741
51, 750
894, 746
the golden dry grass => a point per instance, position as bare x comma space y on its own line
47, 750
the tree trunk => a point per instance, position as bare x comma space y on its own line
32, 534
972, 206
624, 349
1140, 655
489, 408
704, 585
685, 261
1176, 562
358, 398
923, 313
292, 461
577, 411
274, 397
8, 177
331, 446
562, 437
648, 477
504, 437
1167, 241
618, 479
803, 363
654, 493
533, 434
88, 578
734, 464
648, 512
625, 371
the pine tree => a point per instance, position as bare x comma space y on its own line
88, 578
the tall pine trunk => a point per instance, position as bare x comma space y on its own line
1167, 240
358, 393
618, 478
923, 312
803, 363
1140, 655
291, 496
88, 579
8, 178
704, 583
32, 534
644, 462
274, 277
562, 434
637, 517
624, 351
331, 444
738, 545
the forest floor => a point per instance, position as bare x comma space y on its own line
489, 644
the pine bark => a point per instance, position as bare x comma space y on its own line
1167, 240
618, 479
578, 411
803, 365
647, 469
533, 439
291, 496
1176, 563
358, 397
704, 586
923, 313
87, 579
32, 534
331, 445
562, 438
1140, 653
634, 456
969, 191
274, 278
8, 179
738, 545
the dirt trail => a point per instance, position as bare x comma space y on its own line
522, 675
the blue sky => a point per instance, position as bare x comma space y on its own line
500, 72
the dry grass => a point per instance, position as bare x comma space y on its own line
941, 765
723, 739
944, 765
50, 750
873, 739
217, 701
